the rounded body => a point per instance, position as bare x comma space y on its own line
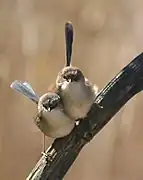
54, 123
77, 98
76, 92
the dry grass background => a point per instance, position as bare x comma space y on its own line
108, 34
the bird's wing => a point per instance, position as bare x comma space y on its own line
94, 87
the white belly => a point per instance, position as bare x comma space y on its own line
59, 125
77, 100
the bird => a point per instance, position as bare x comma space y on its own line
50, 118
76, 91
52, 121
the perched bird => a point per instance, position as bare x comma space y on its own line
75, 90
51, 119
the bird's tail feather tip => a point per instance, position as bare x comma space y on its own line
26, 89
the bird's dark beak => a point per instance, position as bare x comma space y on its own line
46, 107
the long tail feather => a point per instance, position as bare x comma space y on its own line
69, 41
25, 89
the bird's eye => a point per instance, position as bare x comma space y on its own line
53, 104
64, 77
50, 105
45, 105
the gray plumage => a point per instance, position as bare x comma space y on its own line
25, 89
76, 92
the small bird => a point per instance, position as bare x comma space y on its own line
75, 90
50, 119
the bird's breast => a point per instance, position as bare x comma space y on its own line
56, 123
74, 91
55, 117
77, 99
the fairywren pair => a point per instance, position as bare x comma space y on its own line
71, 99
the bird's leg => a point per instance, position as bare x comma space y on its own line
37, 119
44, 146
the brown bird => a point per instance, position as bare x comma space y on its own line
75, 90
50, 119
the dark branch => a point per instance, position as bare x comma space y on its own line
63, 152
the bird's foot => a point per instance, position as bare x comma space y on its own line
48, 157
44, 154
99, 106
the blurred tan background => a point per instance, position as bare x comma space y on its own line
108, 34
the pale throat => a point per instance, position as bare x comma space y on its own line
55, 116
74, 91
